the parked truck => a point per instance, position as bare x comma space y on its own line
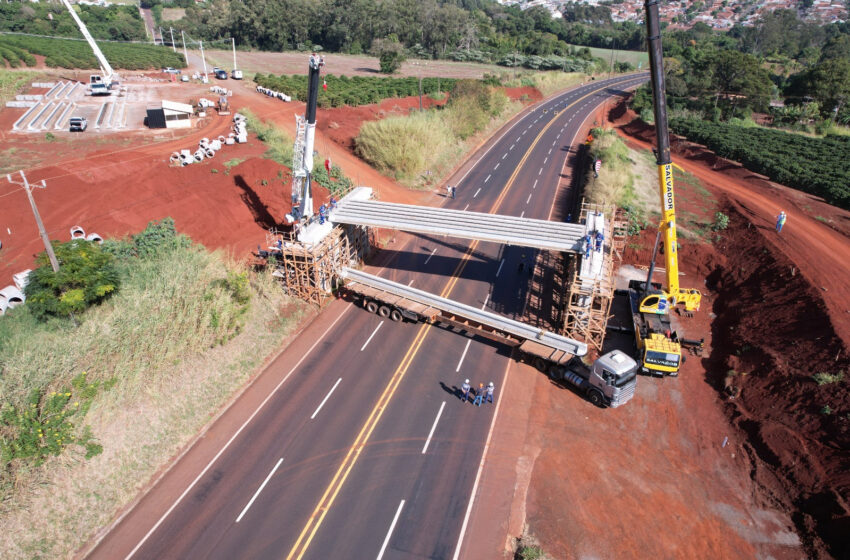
610, 380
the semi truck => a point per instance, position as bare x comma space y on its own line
609, 381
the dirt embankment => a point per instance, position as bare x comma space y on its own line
779, 317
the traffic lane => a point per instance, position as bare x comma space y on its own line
393, 467
200, 524
507, 151
312, 461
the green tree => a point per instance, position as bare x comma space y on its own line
390, 53
830, 84
87, 275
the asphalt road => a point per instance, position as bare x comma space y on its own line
362, 448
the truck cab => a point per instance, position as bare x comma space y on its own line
658, 352
609, 381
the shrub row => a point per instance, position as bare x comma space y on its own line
353, 91
814, 165
67, 53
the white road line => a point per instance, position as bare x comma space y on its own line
408, 284
431, 255
480, 468
327, 396
260, 489
390, 532
488, 178
550, 149
522, 214
233, 437
497, 166
465, 207
373, 332
554, 142
534, 186
527, 200
545, 160
500, 268
462, 356
437, 419
540, 172
486, 299
524, 131
512, 146
504, 156
518, 138
476, 192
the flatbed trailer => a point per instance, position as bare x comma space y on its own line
609, 381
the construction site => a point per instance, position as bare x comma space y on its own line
586, 319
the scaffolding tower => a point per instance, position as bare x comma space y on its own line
310, 271
588, 303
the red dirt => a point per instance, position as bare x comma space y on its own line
517, 93
781, 309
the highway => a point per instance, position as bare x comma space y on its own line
354, 443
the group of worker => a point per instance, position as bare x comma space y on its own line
592, 240
478, 396
325, 209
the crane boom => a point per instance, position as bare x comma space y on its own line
106, 70
675, 294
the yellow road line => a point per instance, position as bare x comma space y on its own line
327, 500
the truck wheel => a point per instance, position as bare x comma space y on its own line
595, 397
384, 311
540, 364
371, 306
396, 315
556, 372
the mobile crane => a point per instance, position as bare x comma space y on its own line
660, 350
99, 84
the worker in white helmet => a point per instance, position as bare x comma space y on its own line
490, 389
464, 390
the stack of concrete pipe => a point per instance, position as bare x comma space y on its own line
10, 298
79, 233
273, 93
207, 147
221, 91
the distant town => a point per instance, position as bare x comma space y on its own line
718, 14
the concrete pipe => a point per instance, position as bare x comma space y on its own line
230, 141
222, 138
94, 238
13, 296
175, 157
242, 138
21, 279
3, 306
215, 145
199, 156
186, 153
204, 141
210, 153
77, 233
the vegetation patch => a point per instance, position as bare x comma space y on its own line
12, 82
420, 148
814, 165
162, 355
69, 53
355, 90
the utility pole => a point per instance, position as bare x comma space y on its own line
27, 187
173, 46
204, 60
161, 39
185, 54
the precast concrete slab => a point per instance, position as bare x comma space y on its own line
508, 230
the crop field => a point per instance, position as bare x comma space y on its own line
18, 50
814, 165
358, 90
634, 58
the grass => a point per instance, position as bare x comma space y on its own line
633, 57
13, 82
233, 162
627, 177
173, 343
280, 144
546, 83
421, 149
823, 378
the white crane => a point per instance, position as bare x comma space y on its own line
98, 84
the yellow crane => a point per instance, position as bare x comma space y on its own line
660, 349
